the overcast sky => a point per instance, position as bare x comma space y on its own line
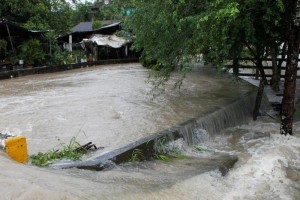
82, 1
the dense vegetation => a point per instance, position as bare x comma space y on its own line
171, 33
57, 15
55, 18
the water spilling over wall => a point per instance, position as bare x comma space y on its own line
268, 166
193, 131
107, 105
236, 113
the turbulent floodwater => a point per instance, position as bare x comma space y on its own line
268, 168
110, 106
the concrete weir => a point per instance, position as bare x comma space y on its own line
193, 131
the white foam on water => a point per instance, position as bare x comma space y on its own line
263, 175
268, 166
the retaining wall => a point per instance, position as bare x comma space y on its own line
57, 68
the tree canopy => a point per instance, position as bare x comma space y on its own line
171, 33
57, 15
39, 14
173, 30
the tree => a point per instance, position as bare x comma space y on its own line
166, 33
170, 33
255, 26
111, 11
288, 101
219, 30
82, 13
38, 14
97, 24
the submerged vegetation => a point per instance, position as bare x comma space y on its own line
72, 151
136, 156
162, 150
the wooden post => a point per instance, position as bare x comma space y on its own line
12, 46
70, 43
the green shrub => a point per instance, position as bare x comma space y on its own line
71, 151
31, 51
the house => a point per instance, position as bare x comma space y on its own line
100, 43
84, 29
8, 33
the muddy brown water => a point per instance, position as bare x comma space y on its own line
111, 106
107, 105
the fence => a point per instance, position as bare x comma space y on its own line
248, 68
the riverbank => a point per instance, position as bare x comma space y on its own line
275, 98
58, 68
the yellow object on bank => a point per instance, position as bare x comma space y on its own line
16, 148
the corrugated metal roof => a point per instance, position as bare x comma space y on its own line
110, 25
106, 40
83, 27
88, 26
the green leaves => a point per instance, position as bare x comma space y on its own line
163, 32
136, 156
71, 151
40, 15
97, 24
171, 32
31, 51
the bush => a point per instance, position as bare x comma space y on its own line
31, 51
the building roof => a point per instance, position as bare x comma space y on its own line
83, 27
106, 26
106, 40
88, 26
79, 35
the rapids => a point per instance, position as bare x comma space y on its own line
108, 105
268, 168
111, 106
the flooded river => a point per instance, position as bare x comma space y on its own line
108, 105
111, 106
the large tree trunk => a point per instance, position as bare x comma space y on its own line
288, 101
275, 74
